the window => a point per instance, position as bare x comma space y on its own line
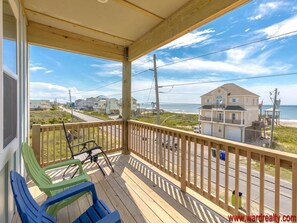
9, 77
234, 100
219, 99
233, 116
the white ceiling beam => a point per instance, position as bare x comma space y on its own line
47, 36
191, 16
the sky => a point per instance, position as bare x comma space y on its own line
208, 57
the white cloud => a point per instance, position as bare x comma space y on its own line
266, 9
281, 28
111, 69
38, 67
189, 39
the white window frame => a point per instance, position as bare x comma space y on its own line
7, 152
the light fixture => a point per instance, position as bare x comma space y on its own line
102, 1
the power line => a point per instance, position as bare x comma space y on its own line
233, 79
229, 48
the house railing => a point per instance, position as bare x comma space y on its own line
232, 121
49, 142
203, 118
216, 167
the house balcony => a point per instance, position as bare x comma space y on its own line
227, 121
158, 183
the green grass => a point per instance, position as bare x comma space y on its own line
50, 117
285, 139
173, 120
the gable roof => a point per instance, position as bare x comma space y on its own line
232, 89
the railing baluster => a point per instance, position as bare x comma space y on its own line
202, 167
248, 183
47, 146
217, 173
236, 180
195, 162
294, 189
209, 170
226, 177
277, 186
189, 159
60, 141
262, 178
183, 162
54, 144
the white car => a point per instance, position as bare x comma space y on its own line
196, 129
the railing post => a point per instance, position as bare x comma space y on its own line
126, 99
36, 141
183, 163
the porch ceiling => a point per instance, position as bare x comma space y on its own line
105, 29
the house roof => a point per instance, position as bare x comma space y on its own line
234, 108
106, 29
232, 89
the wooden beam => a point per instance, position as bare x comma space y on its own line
47, 36
126, 99
191, 16
79, 29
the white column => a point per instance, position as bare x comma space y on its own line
241, 118
211, 115
224, 114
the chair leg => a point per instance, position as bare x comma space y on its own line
75, 172
65, 172
107, 161
100, 168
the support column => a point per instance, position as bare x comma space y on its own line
126, 99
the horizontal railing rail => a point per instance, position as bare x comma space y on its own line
49, 142
241, 178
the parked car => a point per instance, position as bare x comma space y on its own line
197, 129
170, 144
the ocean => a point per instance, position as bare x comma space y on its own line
287, 112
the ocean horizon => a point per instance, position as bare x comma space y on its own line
287, 112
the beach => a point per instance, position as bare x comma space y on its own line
288, 123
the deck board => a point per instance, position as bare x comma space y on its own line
139, 191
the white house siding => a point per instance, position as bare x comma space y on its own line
10, 156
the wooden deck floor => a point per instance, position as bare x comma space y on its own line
139, 192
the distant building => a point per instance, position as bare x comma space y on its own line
133, 105
40, 105
229, 112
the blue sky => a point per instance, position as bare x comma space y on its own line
53, 72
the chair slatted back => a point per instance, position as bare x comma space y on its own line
29, 211
34, 170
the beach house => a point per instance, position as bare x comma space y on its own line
228, 111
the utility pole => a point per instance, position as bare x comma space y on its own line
157, 91
273, 117
159, 140
70, 104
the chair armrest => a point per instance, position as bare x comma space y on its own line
113, 217
88, 150
84, 143
87, 186
65, 183
65, 163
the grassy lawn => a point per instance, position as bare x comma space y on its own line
285, 139
50, 117
173, 120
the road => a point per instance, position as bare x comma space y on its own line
82, 116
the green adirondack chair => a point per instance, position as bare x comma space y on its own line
44, 182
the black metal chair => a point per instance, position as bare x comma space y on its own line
87, 153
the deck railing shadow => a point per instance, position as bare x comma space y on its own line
171, 193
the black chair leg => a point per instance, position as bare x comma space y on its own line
65, 172
100, 169
75, 172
